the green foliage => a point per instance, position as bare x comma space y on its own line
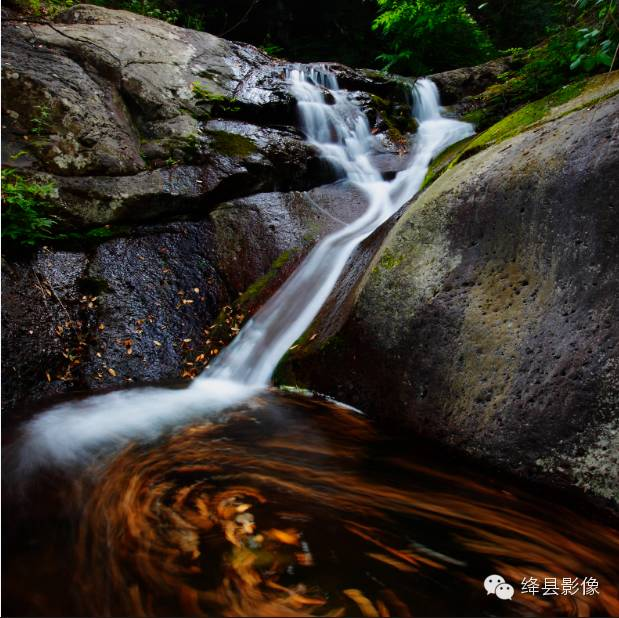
586, 45
546, 68
152, 8
424, 36
26, 208
518, 23
271, 48
191, 146
98, 233
194, 22
40, 121
27, 213
598, 36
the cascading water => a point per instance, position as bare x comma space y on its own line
68, 433
342, 134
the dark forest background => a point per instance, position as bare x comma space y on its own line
412, 37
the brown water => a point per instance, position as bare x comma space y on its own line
293, 507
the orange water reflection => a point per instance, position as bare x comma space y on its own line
293, 508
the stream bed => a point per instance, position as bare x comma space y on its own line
292, 506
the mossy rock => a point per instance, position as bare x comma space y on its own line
231, 144
232, 317
260, 284
397, 118
565, 100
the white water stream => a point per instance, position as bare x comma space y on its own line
72, 432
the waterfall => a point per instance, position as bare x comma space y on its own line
72, 432
342, 134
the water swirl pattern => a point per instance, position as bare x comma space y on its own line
73, 432
229, 499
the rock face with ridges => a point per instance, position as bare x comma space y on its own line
488, 321
134, 118
188, 146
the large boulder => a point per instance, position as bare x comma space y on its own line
488, 320
133, 118
458, 84
181, 181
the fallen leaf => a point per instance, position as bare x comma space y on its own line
401, 566
289, 537
365, 605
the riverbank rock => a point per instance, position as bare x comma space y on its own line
181, 180
133, 118
457, 84
139, 308
487, 321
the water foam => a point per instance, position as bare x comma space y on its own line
75, 432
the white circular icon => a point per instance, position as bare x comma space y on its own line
491, 582
504, 591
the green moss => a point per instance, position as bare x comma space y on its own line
567, 93
475, 117
202, 93
255, 288
231, 144
523, 118
389, 260
397, 117
443, 161
219, 103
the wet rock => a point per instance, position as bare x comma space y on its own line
40, 304
135, 118
136, 309
130, 310
486, 321
234, 159
253, 232
457, 84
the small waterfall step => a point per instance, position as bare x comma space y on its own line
75, 432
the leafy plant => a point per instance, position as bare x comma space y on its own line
271, 48
40, 121
598, 38
26, 209
152, 8
194, 22
423, 36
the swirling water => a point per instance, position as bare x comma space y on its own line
282, 505
289, 506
